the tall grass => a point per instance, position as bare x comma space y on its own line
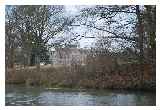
92, 75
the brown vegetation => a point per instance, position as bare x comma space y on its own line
126, 76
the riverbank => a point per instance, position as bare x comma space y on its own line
123, 77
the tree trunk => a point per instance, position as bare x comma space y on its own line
38, 62
11, 59
140, 31
151, 30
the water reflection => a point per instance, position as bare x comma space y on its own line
19, 95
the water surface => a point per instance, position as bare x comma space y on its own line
21, 95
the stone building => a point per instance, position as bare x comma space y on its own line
67, 56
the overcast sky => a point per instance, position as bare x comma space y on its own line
73, 10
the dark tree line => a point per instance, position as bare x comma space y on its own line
30, 28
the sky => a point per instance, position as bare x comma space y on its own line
73, 10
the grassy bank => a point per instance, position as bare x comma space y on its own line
76, 76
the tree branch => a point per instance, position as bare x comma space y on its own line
114, 34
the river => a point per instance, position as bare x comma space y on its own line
21, 95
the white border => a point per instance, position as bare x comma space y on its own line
2, 55
74, 2
81, 2
158, 56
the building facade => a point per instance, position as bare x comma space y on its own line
67, 56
